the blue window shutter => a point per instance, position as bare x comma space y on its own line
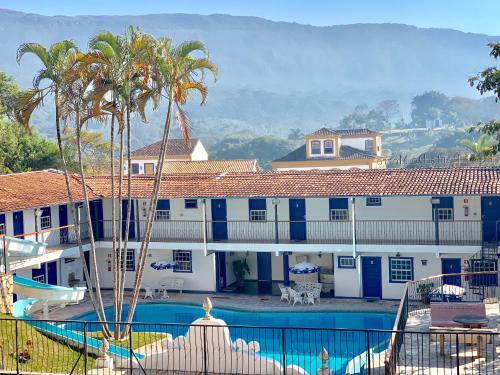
2, 218
339, 203
46, 211
163, 204
444, 202
256, 204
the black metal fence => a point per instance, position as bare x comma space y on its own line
73, 347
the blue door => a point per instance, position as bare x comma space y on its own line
264, 273
18, 224
451, 265
52, 273
39, 274
87, 261
371, 268
131, 231
219, 219
97, 216
220, 270
297, 208
490, 214
63, 221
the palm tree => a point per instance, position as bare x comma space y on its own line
480, 149
55, 61
176, 73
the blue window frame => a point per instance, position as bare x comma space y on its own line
45, 218
346, 262
162, 212
400, 269
184, 260
373, 201
2, 224
444, 209
129, 260
257, 209
190, 203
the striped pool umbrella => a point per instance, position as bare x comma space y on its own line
164, 265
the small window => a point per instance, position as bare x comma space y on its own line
445, 214
135, 168
129, 258
369, 145
400, 270
190, 203
328, 147
184, 261
39, 279
339, 215
258, 215
346, 262
2, 229
315, 147
45, 222
374, 201
162, 215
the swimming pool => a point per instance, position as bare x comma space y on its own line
302, 334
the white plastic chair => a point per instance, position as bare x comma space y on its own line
295, 297
285, 296
309, 299
149, 292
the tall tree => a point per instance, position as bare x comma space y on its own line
480, 149
176, 73
55, 63
489, 81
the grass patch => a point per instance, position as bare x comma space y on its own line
47, 355
139, 339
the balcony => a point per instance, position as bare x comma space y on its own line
380, 232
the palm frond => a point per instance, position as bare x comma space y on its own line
26, 103
36, 49
182, 119
185, 48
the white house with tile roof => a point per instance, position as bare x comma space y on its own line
370, 231
327, 149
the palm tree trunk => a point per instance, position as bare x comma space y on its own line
72, 209
95, 274
129, 209
150, 218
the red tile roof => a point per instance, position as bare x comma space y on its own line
20, 191
374, 182
174, 147
210, 166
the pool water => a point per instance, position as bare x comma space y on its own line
304, 333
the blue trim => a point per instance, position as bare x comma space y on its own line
444, 202
412, 270
339, 203
45, 211
127, 268
190, 203
376, 203
257, 203
178, 270
163, 204
345, 257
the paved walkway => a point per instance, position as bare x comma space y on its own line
233, 301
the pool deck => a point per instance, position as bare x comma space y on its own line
417, 351
232, 301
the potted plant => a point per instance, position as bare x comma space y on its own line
424, 291
240, 268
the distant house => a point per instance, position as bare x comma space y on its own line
211, 166
145, 159
327, 149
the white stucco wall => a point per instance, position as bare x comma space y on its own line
199, 152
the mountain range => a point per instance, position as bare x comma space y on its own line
276, 75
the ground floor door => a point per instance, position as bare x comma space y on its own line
52, 273
490, 214
371, 272
451, 265
220, 266
264, 273
63, 221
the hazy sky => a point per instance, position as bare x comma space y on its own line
479, 16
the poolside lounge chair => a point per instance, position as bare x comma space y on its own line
149, 292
